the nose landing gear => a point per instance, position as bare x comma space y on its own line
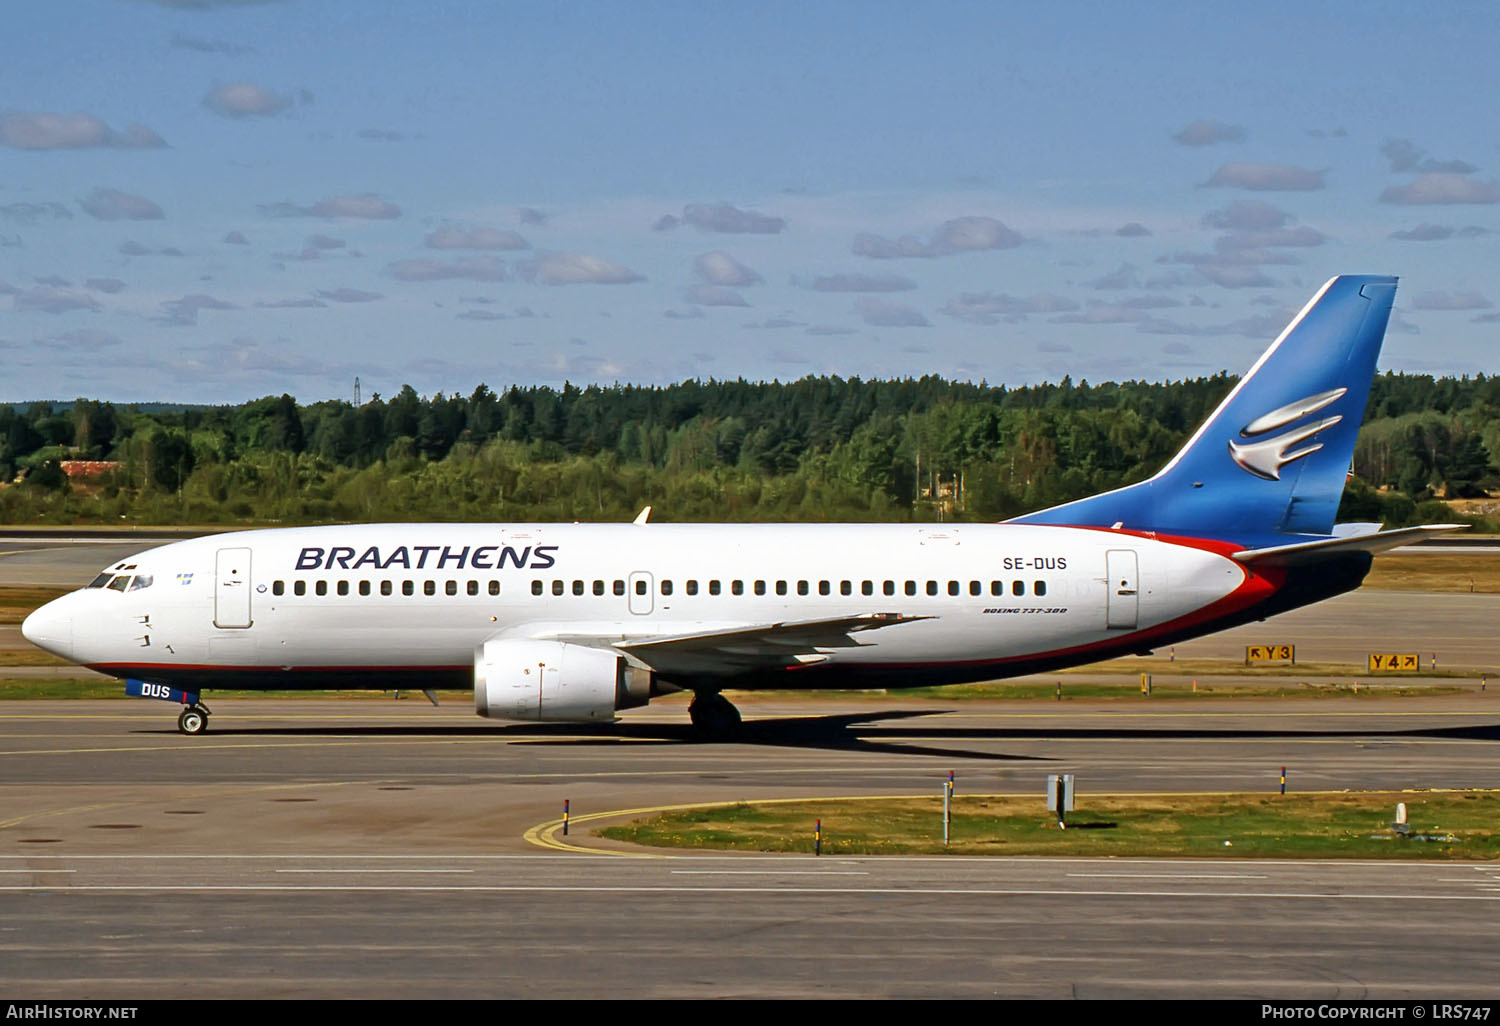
194, 720
194, 716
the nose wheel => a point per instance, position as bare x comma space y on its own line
194, 720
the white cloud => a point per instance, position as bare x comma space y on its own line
114, 205
47, 299
1267, 177
579, 269
1207, 133
1246, 216
42, 130
1439, 187
714, 295
347, 295
959, 235
245, 100
862, 283
365, 205
723, 217
455, 236
466, 268
989, 308
185, 310
719, 268
1406, 156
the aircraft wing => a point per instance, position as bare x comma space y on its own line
1302, 553
759, 647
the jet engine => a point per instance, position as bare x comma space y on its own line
553, 681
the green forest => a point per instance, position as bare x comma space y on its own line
817, 449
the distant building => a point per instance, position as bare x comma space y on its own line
76, 469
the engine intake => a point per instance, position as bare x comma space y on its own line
555, 682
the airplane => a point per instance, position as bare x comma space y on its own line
576, 622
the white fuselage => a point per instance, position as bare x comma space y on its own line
406, 605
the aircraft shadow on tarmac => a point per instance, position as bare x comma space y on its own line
867, 732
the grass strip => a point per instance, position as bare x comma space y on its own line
1348, 825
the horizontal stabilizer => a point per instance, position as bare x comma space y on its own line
1304, 553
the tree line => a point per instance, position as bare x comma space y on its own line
820, 448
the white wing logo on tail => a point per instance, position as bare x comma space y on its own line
1266, 457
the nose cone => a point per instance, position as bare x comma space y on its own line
51, 628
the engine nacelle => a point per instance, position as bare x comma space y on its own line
552, 681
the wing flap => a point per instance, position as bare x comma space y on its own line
757, 647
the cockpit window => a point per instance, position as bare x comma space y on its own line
141, 581
120, 583
101, 580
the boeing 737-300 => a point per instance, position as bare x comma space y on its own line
574, 622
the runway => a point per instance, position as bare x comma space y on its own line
379, 849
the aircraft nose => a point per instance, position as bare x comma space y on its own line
50, 628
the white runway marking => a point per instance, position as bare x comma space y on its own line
382, 872
769, 872
1172, 876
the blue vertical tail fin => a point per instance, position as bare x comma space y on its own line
1272, 459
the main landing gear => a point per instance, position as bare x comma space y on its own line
714, 716
194, 720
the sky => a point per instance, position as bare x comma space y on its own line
208, 201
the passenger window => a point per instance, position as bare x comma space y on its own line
640, 587
713, 587
598, 587
429, 587
343, 587
577, 587
824, 588
408, 587
760, 587
385, 587
321, 587
1018, 587
997, 587
473, 587
845, 588
536, 587
494, 587
1039, 588
450, 587
141, 581
364, 587
889, 587
911, 587
975, 588
781, 587
952, 587
558, 587
692, 587
737, 587
619, 587
867, 587
299, 587
278, 588
801, 587
932, 588
666, 587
